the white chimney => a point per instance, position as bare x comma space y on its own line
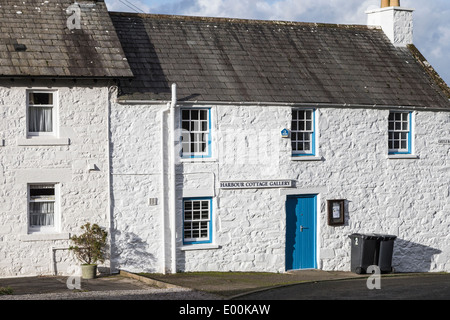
395, 21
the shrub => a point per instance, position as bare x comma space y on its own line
6, 291
89, 247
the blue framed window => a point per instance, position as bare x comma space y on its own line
197, 220
303, 132
400, 123
196, 133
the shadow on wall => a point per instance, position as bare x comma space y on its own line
413, 257
131, 251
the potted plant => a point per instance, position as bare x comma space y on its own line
89, 247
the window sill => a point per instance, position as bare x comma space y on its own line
39, 236
306, 158
206, 246
43, 141
403, 156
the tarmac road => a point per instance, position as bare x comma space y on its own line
417, 287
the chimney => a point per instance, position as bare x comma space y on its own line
395, 21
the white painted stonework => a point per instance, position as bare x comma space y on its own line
65, 159
406, 196
403, 196
396, 22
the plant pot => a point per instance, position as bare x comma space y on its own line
88, 271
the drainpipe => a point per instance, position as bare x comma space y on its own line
163, 189
172, 186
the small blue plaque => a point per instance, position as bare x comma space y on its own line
285, 133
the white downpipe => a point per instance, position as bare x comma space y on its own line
163, 190
172, 186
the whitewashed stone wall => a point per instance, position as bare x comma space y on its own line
82, 114
136, 177
404, 197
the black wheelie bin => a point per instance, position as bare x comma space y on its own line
363, 252
384, 252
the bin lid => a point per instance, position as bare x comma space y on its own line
385, 237
369, 236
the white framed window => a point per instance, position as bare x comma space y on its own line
400, 135
196, 133
42, 207
197, 227
41, 113
303, 132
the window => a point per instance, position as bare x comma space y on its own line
196, 133
302, 132
41, 113
197, 220
41, 206
399, 132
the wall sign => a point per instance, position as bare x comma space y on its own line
336, 212
444, 141
256, 184
285, 133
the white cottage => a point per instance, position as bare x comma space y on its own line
56, 85
235, 167
212, 144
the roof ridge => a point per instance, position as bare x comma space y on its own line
238, 20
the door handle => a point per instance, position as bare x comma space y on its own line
302, 227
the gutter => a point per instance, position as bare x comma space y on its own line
290, 104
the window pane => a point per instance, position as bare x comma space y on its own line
308, 115
42, 191
391, 125
204, 126
203, 114
309, 125
40, 119
301, 125
41, 98
185, 125
307, 146
405, 125
186, 147
185, 115
41, 205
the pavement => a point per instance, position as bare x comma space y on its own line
198, 286
192, 286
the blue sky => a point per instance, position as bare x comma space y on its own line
431, 22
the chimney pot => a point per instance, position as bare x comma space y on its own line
395, 3
385, 3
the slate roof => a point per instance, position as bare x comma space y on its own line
230, 60
35, 41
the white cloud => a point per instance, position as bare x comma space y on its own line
337, 11
127, 6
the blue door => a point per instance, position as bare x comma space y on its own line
301, 232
